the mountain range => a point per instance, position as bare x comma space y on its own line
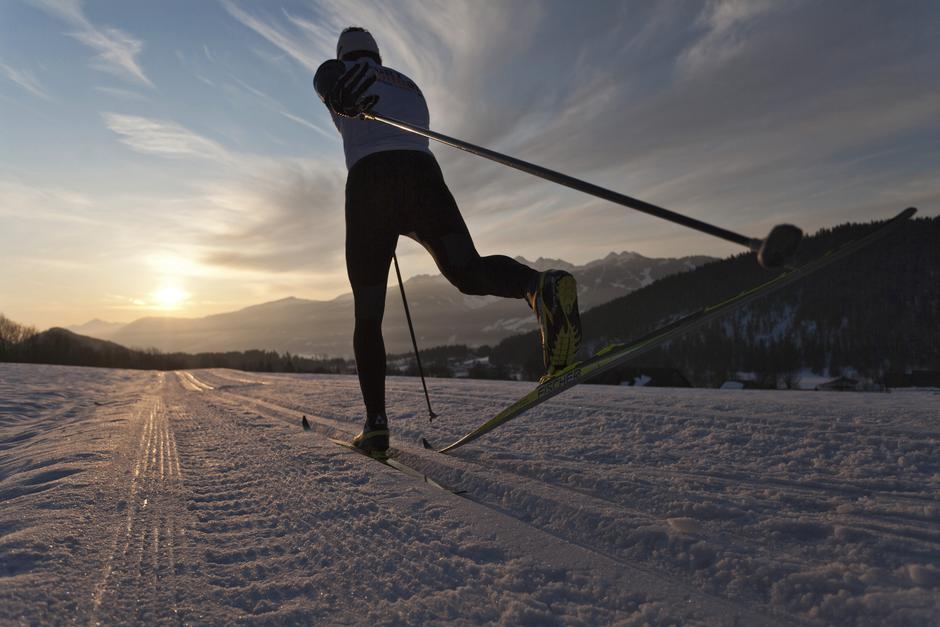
441, 314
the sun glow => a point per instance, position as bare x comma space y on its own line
169, 297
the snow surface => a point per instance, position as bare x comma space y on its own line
195, 497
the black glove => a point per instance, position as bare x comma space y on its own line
345, 98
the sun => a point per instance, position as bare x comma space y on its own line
169, 297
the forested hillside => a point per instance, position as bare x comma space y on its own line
876, 312
24, 344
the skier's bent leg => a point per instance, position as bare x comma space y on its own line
493, 275
438, 226
552, 295
462, 265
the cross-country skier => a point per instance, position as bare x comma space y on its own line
395, 187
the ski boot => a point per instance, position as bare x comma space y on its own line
554, 298
373, 439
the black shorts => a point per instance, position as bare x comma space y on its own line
402, 192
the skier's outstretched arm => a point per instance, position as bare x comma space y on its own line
327, 76
343, 89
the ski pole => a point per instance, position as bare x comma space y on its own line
771, 251
414, 341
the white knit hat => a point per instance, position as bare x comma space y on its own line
353, 40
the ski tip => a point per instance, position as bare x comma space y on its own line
426, 444
305, 423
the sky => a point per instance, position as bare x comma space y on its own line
171, 157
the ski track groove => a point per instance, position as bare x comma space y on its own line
738, 476
498, 490
734, 491
137, 580
234, 418
235, 520
727, 421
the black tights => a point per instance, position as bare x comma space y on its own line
402, 192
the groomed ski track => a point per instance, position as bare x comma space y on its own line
528, 539
196, 497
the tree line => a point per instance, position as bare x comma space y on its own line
24, 344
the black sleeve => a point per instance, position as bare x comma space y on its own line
327, 75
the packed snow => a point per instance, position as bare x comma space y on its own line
195, 497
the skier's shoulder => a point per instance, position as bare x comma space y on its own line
391, 76
331, 70
326, 76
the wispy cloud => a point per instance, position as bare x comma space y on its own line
283, 217
309, 56
272, 104
725, 23
310, 125
45, 203
117, 92
24, 79
266, 214
164, 138
116, 51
